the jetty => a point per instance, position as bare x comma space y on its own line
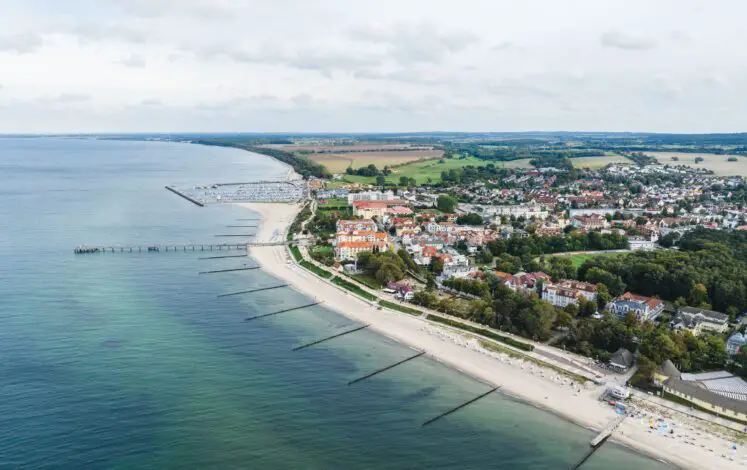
600, 439
91, 249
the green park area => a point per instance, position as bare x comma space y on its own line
579, 258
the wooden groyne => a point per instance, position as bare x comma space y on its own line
384, 369
258, 289
282, 311
457, 408
178, 193
248, 268
330, 337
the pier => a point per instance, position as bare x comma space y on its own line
384, 369
180, 194
600, 439
282, 311
330, 337
457, 408
92, 249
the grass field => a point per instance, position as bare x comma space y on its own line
579, 258
598, 162
716, 163
339, 162
421, 171
521, 163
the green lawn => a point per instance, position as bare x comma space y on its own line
578, 259
296, 253
368, 281
316, 269
338, 203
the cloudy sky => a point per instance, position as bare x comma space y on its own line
365, 66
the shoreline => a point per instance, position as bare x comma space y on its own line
540, 388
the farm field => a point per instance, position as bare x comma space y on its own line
339, 162
421, 171
716, 163
344, 148
598, 162
521, 163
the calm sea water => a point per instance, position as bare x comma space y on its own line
131, 360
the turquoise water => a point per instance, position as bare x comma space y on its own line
131, 360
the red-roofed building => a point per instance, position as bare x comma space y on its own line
644, 308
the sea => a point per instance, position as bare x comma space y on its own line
131, 360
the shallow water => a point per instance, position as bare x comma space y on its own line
131, 361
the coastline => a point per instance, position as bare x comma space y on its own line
532, 386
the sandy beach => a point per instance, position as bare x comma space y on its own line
688, 447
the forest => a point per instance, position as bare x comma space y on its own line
714, 259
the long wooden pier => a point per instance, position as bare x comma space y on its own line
92, 249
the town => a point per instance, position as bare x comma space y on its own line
639, 267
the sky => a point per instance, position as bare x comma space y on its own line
363, 66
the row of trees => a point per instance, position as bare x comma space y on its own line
575, 241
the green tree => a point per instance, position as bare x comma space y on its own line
446, 204
437, 265
698, 295
381, 180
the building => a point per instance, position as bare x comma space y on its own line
351, 250
352, 225
735, 343
644, 308
718, 392
589, 222
371, 209
621, 360
642, 243
529, 281
371, 196
566, 292
527, 211
361, 236
698, 320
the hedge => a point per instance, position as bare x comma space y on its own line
316, 269
353, 288
398, 307
481, 331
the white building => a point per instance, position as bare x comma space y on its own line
566, 292
371, 196
643, 243
644, 308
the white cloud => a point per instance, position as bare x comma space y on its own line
626, 41
20, 43
332, 65
134, 60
